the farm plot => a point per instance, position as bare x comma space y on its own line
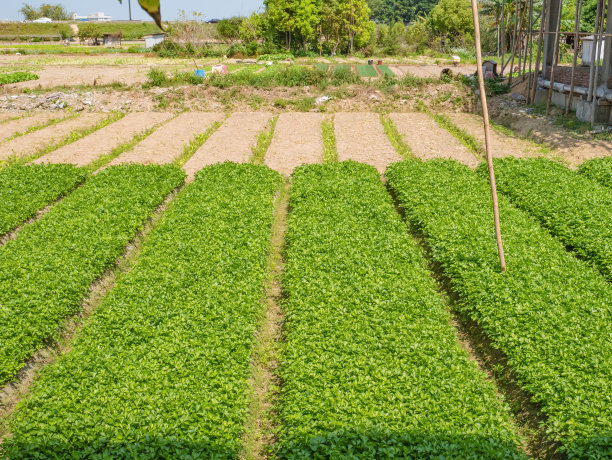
575, 209
234, 141
598, 169
30, 144
297, 140
13, 127
26, 189
427, 140
385, 70
372, 367
162, 368
16, 77
45, 273
168, 142
550, 313
367, 71
102, 142
361, 137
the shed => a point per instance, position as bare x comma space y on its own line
154, 39
112, 39
489, 69
587, 49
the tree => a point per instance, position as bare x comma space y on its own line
229, 29
356, 18
406, 11
293, 17
46, 10
452, 18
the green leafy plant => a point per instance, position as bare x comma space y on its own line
598, 169
549, 314
16, 77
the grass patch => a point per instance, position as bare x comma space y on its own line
395, 137
195, 144
462, 135
323, 67
16, 77
330, 151
385, 70
263, 143
366, 71
508, 132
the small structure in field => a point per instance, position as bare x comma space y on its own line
587, 50
154, 39
112, 39
489, 69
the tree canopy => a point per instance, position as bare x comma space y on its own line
46, 10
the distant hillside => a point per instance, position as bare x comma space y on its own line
130, 30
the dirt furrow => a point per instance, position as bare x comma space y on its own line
102, 142
501, 145
361, 137
428, 140
168, 142
55, 76
297, 140
29, 144
234, 141
13, 127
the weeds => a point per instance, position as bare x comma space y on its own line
263, 143
395, 137
330, 151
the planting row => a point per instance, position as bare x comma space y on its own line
26, 189
46, 272
16, 77
550, 314
371, 367
162, 368
599, 169
575, 209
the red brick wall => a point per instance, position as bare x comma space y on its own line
564, 75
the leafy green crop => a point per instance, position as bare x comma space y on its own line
550, 313
599, 169
575, 209
364, 70
45, 273
371, 367
16, 77
26, 189
162, 368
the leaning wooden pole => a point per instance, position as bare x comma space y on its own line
487, 128
543, 25
594, 52
575, 63
555, 60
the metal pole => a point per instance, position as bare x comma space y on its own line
555, 60
485, 115
576, 43
130, 8
531, 98
593, 52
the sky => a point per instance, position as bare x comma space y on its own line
9, 9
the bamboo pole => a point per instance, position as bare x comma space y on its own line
529, 40
512, 50
485, 114
576, 43
598, 40
503, 35
531, 97
594, 51
522, 18
555, 60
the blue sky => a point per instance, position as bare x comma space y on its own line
170, 8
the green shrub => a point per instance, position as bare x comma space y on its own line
598, 169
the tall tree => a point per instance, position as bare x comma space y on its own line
46, 10
452, 18
356, 17
393, 11
293, 17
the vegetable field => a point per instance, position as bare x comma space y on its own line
372, 322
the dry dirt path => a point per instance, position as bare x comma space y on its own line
298, 139
102, 142
168, 142
29, 144
10, 128
430, 71
361, 137
427, 140
56, 76
234, 141
6, 116
502, 145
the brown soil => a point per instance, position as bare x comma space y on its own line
167, 143
102, 142
502, 145
10, 128
431, 71
427, 140
5, 116
30, 143
361, 137
53, 76
234, 141
298, 140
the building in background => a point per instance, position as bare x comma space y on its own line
153, 39
94, 17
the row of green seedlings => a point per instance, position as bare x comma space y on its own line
549, 314
46, 272
23, 191
17, 77
599, 170
371, 367
162, 368
572, 207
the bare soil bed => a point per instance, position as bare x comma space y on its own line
427, 140
168, 142
233, 141
298, 139
30, 143
56, 76
102, 142
430, 71
13, 127
361, 137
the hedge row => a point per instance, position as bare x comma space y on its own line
161, 369
599, 169
550, 313
45, 273
575, 209
26, 189
372, 367
16, 77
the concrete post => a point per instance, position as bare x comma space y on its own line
549, 37
606, 70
